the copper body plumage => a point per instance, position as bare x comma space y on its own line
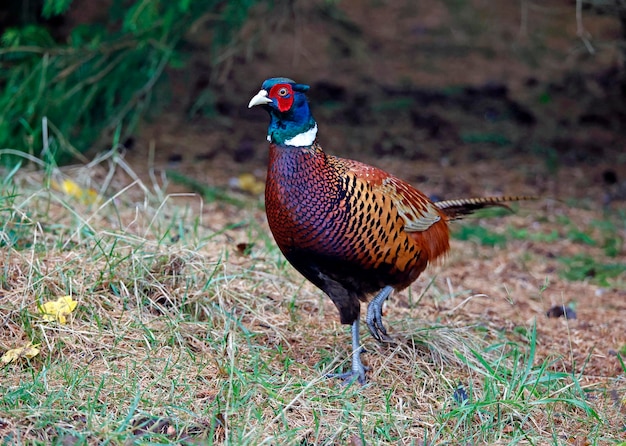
351, 229
334, 221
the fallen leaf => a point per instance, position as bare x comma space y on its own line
248, 183
58, 309
28, 351
148, 425
579, 441
244, 248
561, 310
72, 189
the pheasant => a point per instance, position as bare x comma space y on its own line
351, 229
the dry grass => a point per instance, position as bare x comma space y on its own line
182, 334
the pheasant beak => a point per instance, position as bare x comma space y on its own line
260, 99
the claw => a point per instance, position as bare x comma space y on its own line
374, 318
351, 376
375, 324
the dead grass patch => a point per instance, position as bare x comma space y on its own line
180, 336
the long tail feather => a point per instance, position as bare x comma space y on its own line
457, 208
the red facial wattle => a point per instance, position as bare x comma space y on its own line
283, 93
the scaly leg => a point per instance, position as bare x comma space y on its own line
358, 369
374, 316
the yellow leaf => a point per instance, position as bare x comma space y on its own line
28, 351
56, 310
249, 183
72, 189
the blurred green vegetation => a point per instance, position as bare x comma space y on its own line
60, 96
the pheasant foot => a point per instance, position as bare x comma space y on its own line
374, 316
358, 369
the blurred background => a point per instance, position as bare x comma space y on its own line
441, 83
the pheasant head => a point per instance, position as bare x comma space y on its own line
291, 122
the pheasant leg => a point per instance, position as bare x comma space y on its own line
358, 369
374, 316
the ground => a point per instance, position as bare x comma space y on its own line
461, 99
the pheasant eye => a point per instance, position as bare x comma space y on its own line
283, 95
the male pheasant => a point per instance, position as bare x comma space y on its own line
350, 228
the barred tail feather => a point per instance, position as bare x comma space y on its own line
457, 208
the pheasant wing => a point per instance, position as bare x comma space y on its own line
416, 209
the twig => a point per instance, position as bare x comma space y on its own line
580, 28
